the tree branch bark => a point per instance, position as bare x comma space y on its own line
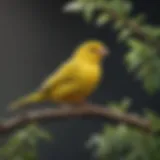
49, 114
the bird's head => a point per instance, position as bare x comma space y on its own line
92, 51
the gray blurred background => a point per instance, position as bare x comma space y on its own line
35, 36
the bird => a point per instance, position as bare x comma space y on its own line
73, 81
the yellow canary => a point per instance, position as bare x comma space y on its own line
74, 80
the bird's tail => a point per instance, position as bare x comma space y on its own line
25, 100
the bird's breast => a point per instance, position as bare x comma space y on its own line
89, 77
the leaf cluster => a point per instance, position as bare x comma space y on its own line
127, 143
143, 57
22, 144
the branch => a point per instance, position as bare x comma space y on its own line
63, 113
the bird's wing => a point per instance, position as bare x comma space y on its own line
62, 75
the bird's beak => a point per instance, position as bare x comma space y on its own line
104, 51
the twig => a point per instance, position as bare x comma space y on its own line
63, 113
135, 27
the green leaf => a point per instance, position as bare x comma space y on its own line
152, 31
140, 19
22, 144
123, 141
121, 7
88, 11
125, 104
124, 34
144, 60
121, 106
102, 19
132, 60
118, 24
73, 7
154, 118
127, 5
136, 44
150, 85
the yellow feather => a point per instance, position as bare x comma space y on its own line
74, 80
30, 98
